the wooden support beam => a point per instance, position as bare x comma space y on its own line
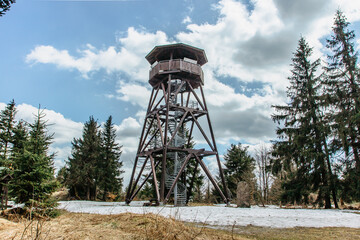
155, 180
202, 132
160, 128
177, 177
178, 126
192, 183
215, 148
139, 176
197, 98
143, 183
207, 172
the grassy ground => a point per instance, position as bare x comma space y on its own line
122, 226
150, 226
297, 233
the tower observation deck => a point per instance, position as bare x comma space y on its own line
180, 60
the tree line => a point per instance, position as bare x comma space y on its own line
93, 171
315, 158
317, 150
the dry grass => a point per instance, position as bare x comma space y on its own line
122, 226
195, 204
298, 233
151, 227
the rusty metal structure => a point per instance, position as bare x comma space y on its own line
177, 100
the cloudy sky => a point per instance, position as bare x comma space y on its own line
79, 58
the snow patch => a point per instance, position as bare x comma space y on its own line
227, 216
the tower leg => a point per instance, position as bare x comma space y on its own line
221, 172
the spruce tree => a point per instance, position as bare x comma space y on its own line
109, 166
33, 180
83, 163
239, 166
343, 78
19, 139
74, 174
5, 6
302, 144
7, 124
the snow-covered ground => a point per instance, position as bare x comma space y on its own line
221, 216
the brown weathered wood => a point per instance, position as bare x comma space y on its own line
197, 98
153, 99
165, 95
143, 138
159, 126
188, 100
143, 183
155, 180
163, 165
152, 137
190, 133
177, 127
215, 148
177, 177
171, 67
158, 103
207, 172
138, 151
202, 132
139, 175
192, 182
179, 88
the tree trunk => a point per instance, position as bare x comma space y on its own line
331, 176
327, 192
88, 193
76, 193
105, 193
357, 166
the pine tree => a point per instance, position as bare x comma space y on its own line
61, 176
5, 6
303, 138
7, 124
239, 166
109, 167
33, 166
82, 164
74, 174
19, 139
343, 78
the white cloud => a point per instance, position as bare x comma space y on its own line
64, 129
186, 20
129, 59
128, 134
133, 93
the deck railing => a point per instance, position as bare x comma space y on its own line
176, 65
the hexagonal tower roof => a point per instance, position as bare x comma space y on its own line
179, 51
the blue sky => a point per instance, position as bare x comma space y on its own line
82, 58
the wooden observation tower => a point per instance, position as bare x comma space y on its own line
175, 111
